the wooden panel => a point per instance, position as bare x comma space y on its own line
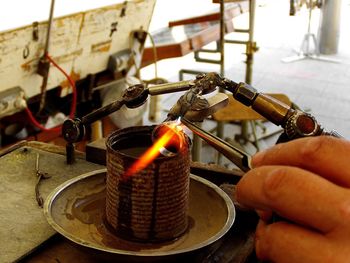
166, 51
80, 43
177, 41
236, 111
231, 11
198, 35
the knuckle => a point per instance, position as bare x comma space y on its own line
310, 151
275, 182
344, 211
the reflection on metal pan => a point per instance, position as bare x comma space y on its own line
76, 210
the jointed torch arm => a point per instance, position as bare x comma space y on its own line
295, 123
73, 130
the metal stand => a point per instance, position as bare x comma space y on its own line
305, 51
220, 125
251, 48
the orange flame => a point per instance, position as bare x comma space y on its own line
152, 152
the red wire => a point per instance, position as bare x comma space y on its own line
72, 84
37, 124
73, 105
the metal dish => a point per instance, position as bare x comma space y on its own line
75, 209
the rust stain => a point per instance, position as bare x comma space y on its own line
28, 66
59, 23
101, 47
74, 76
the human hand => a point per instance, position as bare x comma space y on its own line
307, 182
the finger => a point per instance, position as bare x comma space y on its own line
323, 155
284, 242
295, 194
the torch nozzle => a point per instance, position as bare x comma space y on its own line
171, 136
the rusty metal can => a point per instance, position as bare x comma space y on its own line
150, 205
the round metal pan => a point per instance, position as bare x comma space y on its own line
75, 209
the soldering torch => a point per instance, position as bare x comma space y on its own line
296, 123
191, 104
195, 108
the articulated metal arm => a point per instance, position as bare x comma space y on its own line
73, 130
295, 123
195, 108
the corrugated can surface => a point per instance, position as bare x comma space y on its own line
151, 205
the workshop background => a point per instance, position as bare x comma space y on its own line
322, 87
94, 44
316, 86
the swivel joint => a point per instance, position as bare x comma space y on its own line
73, 130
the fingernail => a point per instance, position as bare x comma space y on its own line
257, 159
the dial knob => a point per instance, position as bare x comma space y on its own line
301, 124
73, 130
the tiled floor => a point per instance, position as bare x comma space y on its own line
322, 87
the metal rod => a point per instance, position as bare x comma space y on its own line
197, 147
48, 33
220, 125
45, 62
222, 39
241, 42
207, 60
240, 30
102, 112
250, 57
170, 87
235, 155
43, 92
250, 53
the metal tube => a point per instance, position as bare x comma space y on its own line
250, 51
45, 62
235, 155
220, 125
102, 112
49, 25
236, 42
206, 60
170, 87
197, 147
240, 30
222, 39
273, 110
